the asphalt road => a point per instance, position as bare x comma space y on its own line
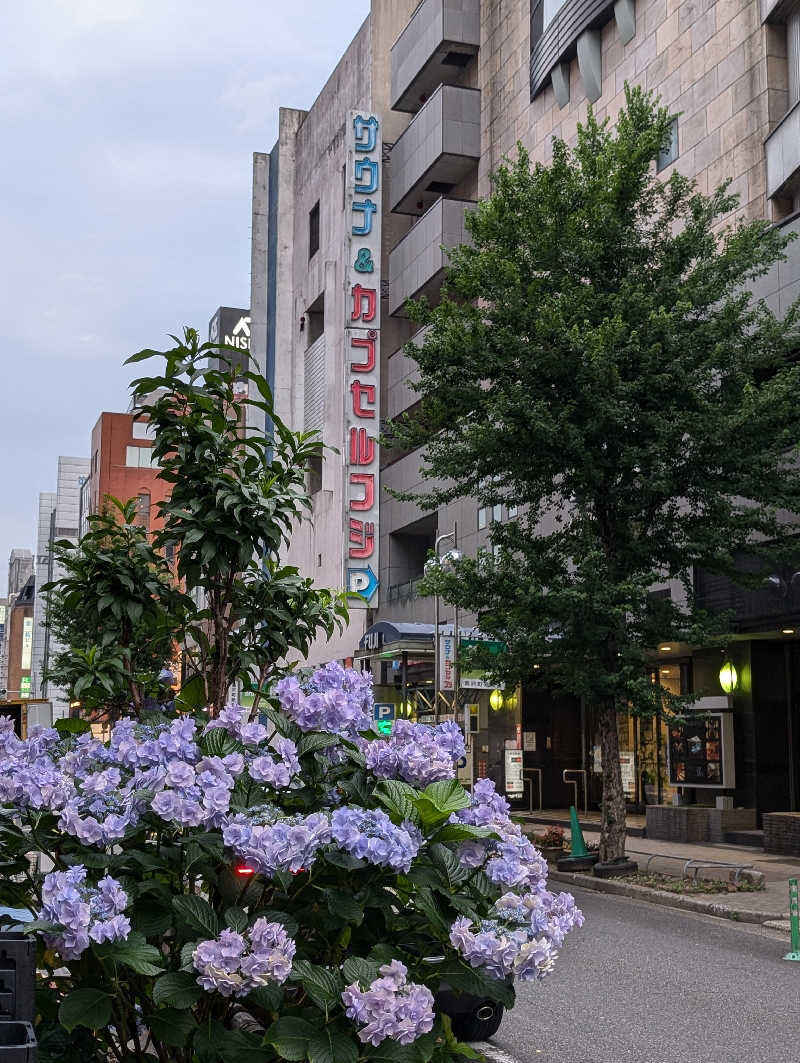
643, 984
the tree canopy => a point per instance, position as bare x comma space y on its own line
598, 361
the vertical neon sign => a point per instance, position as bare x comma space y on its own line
363, 210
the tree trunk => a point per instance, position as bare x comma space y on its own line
612, 830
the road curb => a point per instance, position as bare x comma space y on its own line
666, 900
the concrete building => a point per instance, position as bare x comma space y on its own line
20, 568
351, 209
58, 518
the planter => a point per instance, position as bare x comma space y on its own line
615, 868
551, 852
577, 863
17, 1043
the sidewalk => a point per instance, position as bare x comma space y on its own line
769, 906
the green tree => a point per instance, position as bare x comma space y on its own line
115, 610
237, 495
598, 361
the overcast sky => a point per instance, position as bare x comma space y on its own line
127, 129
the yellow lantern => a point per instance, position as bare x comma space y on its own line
728, 677
496, 700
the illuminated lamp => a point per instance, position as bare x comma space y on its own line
242, 870
496, 700
728, 677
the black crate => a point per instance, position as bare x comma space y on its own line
17, 978
17, 1043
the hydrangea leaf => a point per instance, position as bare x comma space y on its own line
85, 1007
134, 952
198, 913
322, 985
290, 1037
171, 1026
178, 989
357, 969
332, 1046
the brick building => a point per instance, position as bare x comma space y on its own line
121, 466
351, 209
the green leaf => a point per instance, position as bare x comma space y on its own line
72, 725
289, 922
177, 989
440, 800
290, 1037
426, 902
135, 953
236, 919
171, 1026
198, 913
150, 918
461, 832
332, 1046
399, 799
85, 1007
321, 984
450, 867
268, 997
345, 860
192, 696
310, 743
239, 1046
357, 969
344, 905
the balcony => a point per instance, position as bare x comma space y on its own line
438, 42
417, 264
782, 148
402, 374
438, 149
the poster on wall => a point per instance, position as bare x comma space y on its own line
363, 220
700, 751
515, 786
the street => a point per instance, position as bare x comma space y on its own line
643, 984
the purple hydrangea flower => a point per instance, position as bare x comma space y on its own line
276, 773
391, 1007
370, 835
235, 964
335, 699
80, 912
416, 753
268, 842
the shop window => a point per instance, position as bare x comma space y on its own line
669, 152
313, 230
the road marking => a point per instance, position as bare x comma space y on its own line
494, 1054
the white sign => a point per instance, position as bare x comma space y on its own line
515, 785
529, 741
27, 642
628, 769
446, 663
363, 218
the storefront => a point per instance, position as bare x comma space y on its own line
401, 658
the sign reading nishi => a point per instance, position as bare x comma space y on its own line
362, 355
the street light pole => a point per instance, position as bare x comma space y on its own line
436, 664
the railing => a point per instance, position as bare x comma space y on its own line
538, 773
403, 592
574, 782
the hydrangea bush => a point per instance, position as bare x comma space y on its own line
300, 888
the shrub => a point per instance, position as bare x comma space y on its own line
323, 879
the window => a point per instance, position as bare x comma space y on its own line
143, 430
140, 458
497, 513
143, 509
512, 511
313, 230
482, 518
669, 153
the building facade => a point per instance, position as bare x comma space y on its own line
58, 518
20, 569
351, 211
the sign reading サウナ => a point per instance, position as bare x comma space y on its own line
362, 355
